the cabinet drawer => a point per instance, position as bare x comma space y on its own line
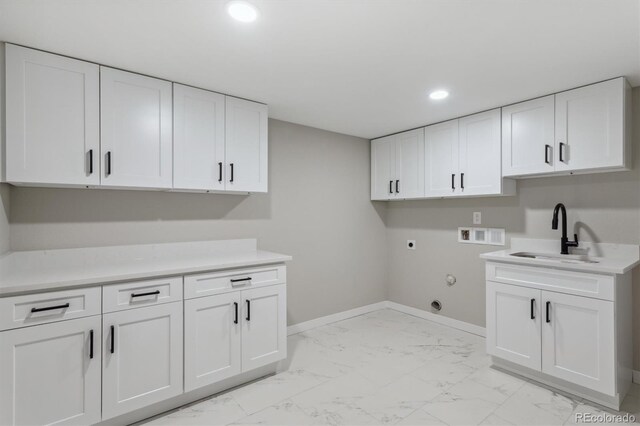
570, 282
221, 282
136, 294
42, 308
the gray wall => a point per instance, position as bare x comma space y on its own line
4, 218
605, 206
317, 210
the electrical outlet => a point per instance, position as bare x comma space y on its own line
477, 218
411, 244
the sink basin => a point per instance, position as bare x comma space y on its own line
560, 258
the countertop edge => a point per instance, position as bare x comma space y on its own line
554, 265
114, 279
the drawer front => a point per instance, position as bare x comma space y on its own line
42, 308
119, 297
569, 282
234, 279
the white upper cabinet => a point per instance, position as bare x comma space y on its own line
383, 168
577, 131
397, 166
136, 130
441, 159
462, 157
480, 154
590, 127
198, 139
528, 137
52, 119
409, 181
246, 145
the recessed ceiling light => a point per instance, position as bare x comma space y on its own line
242, 11
438, 94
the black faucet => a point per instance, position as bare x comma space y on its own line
564, 241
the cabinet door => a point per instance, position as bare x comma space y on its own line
410, 164
198, 139
513, 324
246, 145
383, 168
211, 339
48, 375
528, 134
135, 130
590, 126
578, 341
264, 326
480, 154
52, 119
142, 357
441, 159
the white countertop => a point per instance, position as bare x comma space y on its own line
43, 270
611, 258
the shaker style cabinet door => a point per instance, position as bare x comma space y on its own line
212, 327
383, 168
135, 129
142, 357
480, 154
409, 182
246, 145
52, 119
264, 326
50, 374
590, 126
513, 324
528, 134
198, 139
578, 340
442, 178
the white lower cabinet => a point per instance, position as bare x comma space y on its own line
233, 332
264, 328
142, 357
579, 343
211, 339
147, 345
513, 324
50, 374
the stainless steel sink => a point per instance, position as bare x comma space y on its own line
560, 258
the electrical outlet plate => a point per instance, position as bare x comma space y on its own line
477, 218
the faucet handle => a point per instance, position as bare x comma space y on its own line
575, 238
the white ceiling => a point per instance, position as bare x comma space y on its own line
361, 67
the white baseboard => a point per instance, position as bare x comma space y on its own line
319, 322
430, 316
636, 377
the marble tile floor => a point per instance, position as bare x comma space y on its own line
387, 367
